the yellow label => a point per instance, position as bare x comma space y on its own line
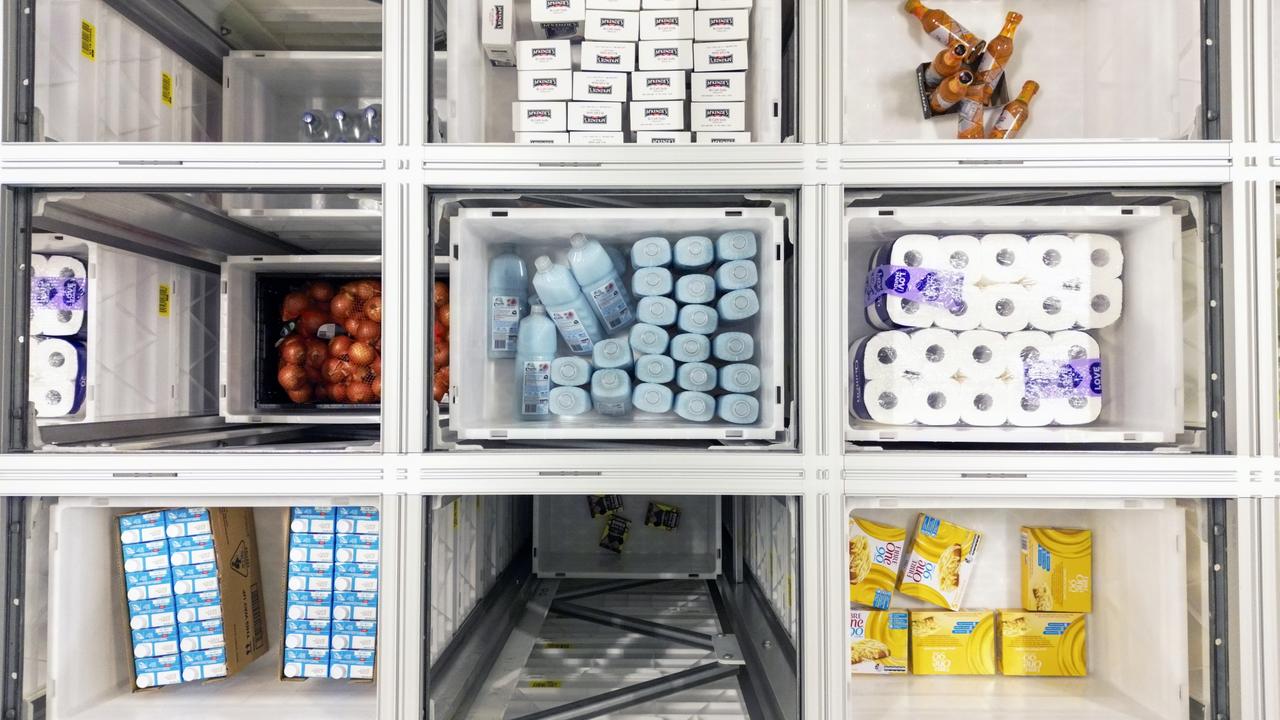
1057, 569
162, 304
940, 561
455, 514
88, 40
544, 683
1043, 644
875, 552
557, 646
166, 89
878, 641
953, 643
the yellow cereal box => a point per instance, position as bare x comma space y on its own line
940, 562
953, 643
875, 552
878, 641
1057, 569
1042, 644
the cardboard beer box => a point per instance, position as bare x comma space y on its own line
498, 33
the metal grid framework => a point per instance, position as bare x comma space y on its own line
1246, 167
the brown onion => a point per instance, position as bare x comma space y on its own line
314, 375
441, 293
373, 309
342, 305
368, 330
441, 355
293, 353
317, 352
301, 395
320, 291
339, 347
376, 365
352, 324
310, 321
338, 392
442, 314
366, 289
334, 371
294, 304
362, 354
359, 392
292, 377
376, 385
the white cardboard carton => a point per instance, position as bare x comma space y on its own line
544, 55
720, 56
718, 25
668, 4
595, 117
558, 19
608, 56
600, 86
666, 24
723, 138
663, 138
545, 85
612, 26
657, 115
542, 138
717, 116
722, 4
658, 85
613, 4
718, 87
665, 55
498, 33
538, 116
595, 138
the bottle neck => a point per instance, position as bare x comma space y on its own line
1010, 27
1025, 96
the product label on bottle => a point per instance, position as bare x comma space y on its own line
505, 320
571, 329
610, 407
970, 118
942, 34
1006, 122
59, 293
1063, 378
932, 287
611, 304
535, 388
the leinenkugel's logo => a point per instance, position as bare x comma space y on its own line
599, 88
657, 83
544, 52
499, 15
594, 119
666, 23
722, 23
720, 57
657, 112
608, 57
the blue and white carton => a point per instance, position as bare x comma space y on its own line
304, 605
200, 578
141, 527
360, 520
305, 663
157, 671
357, 548
355, 606
311, 547
308, 634
141, 556
355, 577
311, 576
191, 550
158, 612
180, 522
153, 642
351, 664
205, 635
354, 635
148, 584
318, 520
199, 606
204, 664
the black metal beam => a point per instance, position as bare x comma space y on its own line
20, 80
178, 29
605, 703
635, 625
601, 589
15, 298
1219, 611
15, 562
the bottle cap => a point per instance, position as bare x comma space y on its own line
609, 379
741, 302
569, 371
652, 396
700, 317
739, 272
564, 400
650, 247
578, 240
740, 408
543, 263
698, 376
690, 346
742, 377
736, 345
698, 406
655, 366
611, 349
648, 337
651, 279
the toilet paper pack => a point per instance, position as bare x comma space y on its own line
878, 641
940, 562
58, 376
59, 295
875, 554
892, 291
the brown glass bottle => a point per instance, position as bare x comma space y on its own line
972, 113
948, 62
944, 28
997, 55
1015, 114
950, 91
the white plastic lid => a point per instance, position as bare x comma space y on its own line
736, 344
570, 370
182, 587
698, 406
698, 285
342, 584
740, 408
297, 583
142, 650
698, 375
188, 644
738, 240
293, 640
186, 615
298, 554
578, 240
652, 396
648, 337
144, 681
337, 672
345, 554
655, 366
694, 248
297, 612
651, 279
292, 670
339, 642
611, 349
190, 674
138, 623
137, 593
298, 526
341, 612
133, 565
742, 377
741, 302
346, 526
739, 272
701, 317
690, 346
543, 263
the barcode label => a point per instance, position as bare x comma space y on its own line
259, 616
499, 344
88, 40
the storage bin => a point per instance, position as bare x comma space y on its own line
267, 92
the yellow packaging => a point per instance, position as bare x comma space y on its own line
875, 552
940, 562
878, 641
1057, 569
1042, 644
953, 643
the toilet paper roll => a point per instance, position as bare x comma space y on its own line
985, 355
56, 397
1102, 253
59, 296
986, 404
1005, 308
1103, 303
916, 251
1029, 411
1027, 346
963, 254
1075, 345
1057, 254
883, 355
886, 402
966, 315
1003, 258
1077, 410
56, 359
937, 353
940, 403
890, 311
1053, 308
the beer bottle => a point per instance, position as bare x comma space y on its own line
997, 55
947, 63
950, 91
943, 28
972, 115
1015, 114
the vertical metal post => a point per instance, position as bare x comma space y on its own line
1215, 362
1211, 68
425, 649
15, 556
15, 298
1219, 613
20, 81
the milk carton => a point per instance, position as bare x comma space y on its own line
307, 605
309, 634
354, 635
180, 522
362, 520
310, 576
319, 520
148, 584
158, 612
204, 664
311, 547
157, 671
152, 555
355, 606
195, 578
358, 548
152, 642
199, 606
205, 635
141, 527
306, 663
353, 664
498, 32
355, 577
191, 550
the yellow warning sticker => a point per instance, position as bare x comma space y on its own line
163, 304
544, 683
166, 89
455, 515
88, 40
557, 646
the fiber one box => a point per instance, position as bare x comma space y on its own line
720, 56
613, 4
668, 4
558, 19
657, 115
544, 55
875, 554
538, 116
666, 25
1043, 644
718, 87
658, 85
360, 519
312, 520
535, 85
595, 116
1057, 569
612, 26
665, 55
542, 138
663, 138
717, 116
723, 138
953, 643
600, 86
596, 138
608, 56
878, 642
498, 32
940, 562
717, 25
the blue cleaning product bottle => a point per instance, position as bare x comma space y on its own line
659, 311
693, 253
733, 346
601, 283
738, 305
695, 290
697, 376
535, 350
570, 311
740, 378
652, 398
655, 369
651, 252
611, 392
612, 353
571, 371
648, 339
508, 301
619, 262
736, 275
570, 401
736, 245
690, 347
700, 319
695, 406
738, 409
652, 281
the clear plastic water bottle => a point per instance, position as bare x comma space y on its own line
733, 346
347, 127
570, 401
738, 305
655, 369
695, 406
659, 311
567, 307
738, 409
699, 319
508, 301
651, 252
736, 275
694, 252
314, 127
371, 116
736, 245
612, 353
571, 371
696, 376
611, 392
600, 283
648, 339
653, 281
652, 398
535, 351
690, 347
695, 290
740, 378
